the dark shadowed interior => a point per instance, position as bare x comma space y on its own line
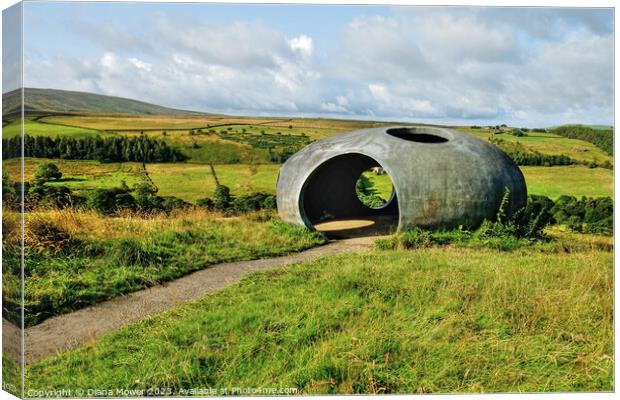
416, 135
329, 195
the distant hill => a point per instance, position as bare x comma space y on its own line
64, 101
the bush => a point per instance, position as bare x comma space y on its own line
104, 201
221, 198
253, 202
41, 195
206, 203
170, 203
591, 215
530, 221
146, 197
283, 155
47, 172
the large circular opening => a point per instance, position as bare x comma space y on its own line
416, 134
374, 188
331, 204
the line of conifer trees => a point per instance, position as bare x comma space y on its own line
110, 149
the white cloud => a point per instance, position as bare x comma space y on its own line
302, 44
110, 61
437, 65
140, 64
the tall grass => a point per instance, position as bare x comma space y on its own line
447, 320
75, 258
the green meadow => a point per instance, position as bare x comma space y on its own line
437, 320
35, 128
191, 182
548, 143
572, 180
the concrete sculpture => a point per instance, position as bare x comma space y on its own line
441, 178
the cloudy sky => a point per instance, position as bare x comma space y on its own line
522, 66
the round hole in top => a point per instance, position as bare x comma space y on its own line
415, 135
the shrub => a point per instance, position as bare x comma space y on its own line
529, 222
206, 203
170, 203
103, 200
42, 195
11, 232
270, 203
47, 172
591, 215
145, 196
221, 198
253, 202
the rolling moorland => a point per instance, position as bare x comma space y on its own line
477, 311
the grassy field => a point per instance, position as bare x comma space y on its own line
447, 320
314, 127
226, 139
74, 259
573, 180
549, 143
217, 139
34, 128
194, 181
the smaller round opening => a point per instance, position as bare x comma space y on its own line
374, 188
414, 135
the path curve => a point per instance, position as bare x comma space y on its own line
68, 331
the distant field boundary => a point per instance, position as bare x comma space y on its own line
40, 120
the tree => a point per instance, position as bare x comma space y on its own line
47, 172
221, 197
145, 196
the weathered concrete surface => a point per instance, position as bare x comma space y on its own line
441, 177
